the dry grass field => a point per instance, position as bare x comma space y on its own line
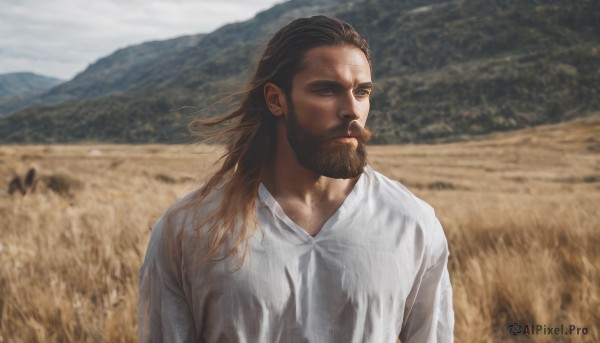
520, 210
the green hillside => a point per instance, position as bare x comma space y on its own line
15, 87
14, 84
443, 70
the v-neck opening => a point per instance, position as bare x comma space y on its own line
348, 204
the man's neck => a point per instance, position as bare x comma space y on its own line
287, 179
307, 198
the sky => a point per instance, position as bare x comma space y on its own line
60, 38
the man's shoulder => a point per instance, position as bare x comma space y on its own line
392, 200
187, 209
393, 195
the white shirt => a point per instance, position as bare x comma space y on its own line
376, 271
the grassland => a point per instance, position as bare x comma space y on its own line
520, 210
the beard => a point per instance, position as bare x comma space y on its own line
322, 155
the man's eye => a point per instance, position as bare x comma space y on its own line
325, 91
362, 92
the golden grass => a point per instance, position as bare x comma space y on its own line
520, 211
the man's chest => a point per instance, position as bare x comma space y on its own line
310, 218
335, 279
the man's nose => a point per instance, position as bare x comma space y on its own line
350, 108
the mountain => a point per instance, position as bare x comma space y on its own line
17, 86
443, 70
111, 75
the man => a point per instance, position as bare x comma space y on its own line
295, 238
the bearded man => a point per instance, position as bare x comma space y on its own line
295, 238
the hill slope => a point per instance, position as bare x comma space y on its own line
14, 84
16, 87
110, 75
443, 70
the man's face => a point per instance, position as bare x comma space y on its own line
328, 109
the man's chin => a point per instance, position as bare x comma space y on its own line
340, 160
342, 174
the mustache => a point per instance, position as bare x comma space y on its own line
352, 129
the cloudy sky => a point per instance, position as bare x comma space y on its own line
60, 38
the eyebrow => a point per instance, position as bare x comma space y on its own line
335, 84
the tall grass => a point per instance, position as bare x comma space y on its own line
522, 221
525, 259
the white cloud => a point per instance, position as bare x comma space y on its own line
60, 38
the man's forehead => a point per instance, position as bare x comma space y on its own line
331, 61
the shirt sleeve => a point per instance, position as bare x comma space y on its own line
429, 313
164, 314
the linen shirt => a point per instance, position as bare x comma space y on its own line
376, 271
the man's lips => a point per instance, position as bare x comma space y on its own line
344, 135
353, 133
346, 139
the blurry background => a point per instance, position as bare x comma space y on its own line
62, 38
443, 69
487, 109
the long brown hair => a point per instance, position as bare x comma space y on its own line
251, 135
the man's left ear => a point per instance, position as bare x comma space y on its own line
275, 99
